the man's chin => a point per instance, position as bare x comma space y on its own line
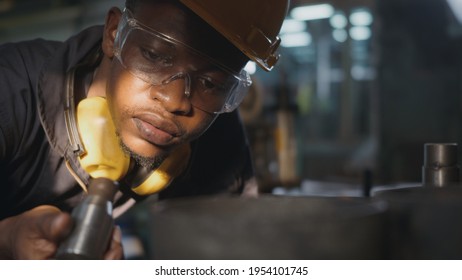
144, 161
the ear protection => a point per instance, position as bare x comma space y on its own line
103, 156
93, 138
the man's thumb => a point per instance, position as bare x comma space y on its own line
57, 226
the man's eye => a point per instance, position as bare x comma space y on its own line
157, 58
210, 84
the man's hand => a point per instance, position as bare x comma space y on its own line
36, 234
115, 251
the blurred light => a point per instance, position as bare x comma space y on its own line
340, 35
291, 40
312, 12
456, 7
361, 18
361, 73
251, 67
293, 26
337, 75
360, 33
338, 21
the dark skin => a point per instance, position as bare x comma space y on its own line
151, 122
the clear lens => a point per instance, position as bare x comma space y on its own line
159, 59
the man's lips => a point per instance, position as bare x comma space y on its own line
155, 129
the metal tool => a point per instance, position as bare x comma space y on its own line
93, 223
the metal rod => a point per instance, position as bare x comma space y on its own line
440, 166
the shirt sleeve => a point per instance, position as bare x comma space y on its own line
12, 87
22, 152
20, 65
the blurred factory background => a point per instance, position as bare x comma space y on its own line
361, 85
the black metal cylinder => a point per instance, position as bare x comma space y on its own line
93, 224
440, 166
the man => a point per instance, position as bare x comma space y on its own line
166, 76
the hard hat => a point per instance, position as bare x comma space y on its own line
251, 25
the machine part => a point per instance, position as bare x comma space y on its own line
440, 166
267, 227
424, 223
286, 147
251, 25
93, 224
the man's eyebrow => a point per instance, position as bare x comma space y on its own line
155, 40
213, 69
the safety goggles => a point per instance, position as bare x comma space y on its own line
159, 59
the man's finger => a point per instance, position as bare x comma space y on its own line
55, 225
115, 251
61, 226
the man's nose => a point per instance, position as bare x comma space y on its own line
174, 93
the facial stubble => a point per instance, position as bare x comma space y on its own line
146, 162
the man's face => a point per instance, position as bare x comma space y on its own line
151, 120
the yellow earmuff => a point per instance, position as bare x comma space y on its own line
104, 157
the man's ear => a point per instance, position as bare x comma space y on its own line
110, 30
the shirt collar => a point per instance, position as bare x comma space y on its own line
51, 91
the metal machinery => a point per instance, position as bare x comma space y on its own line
417, 222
